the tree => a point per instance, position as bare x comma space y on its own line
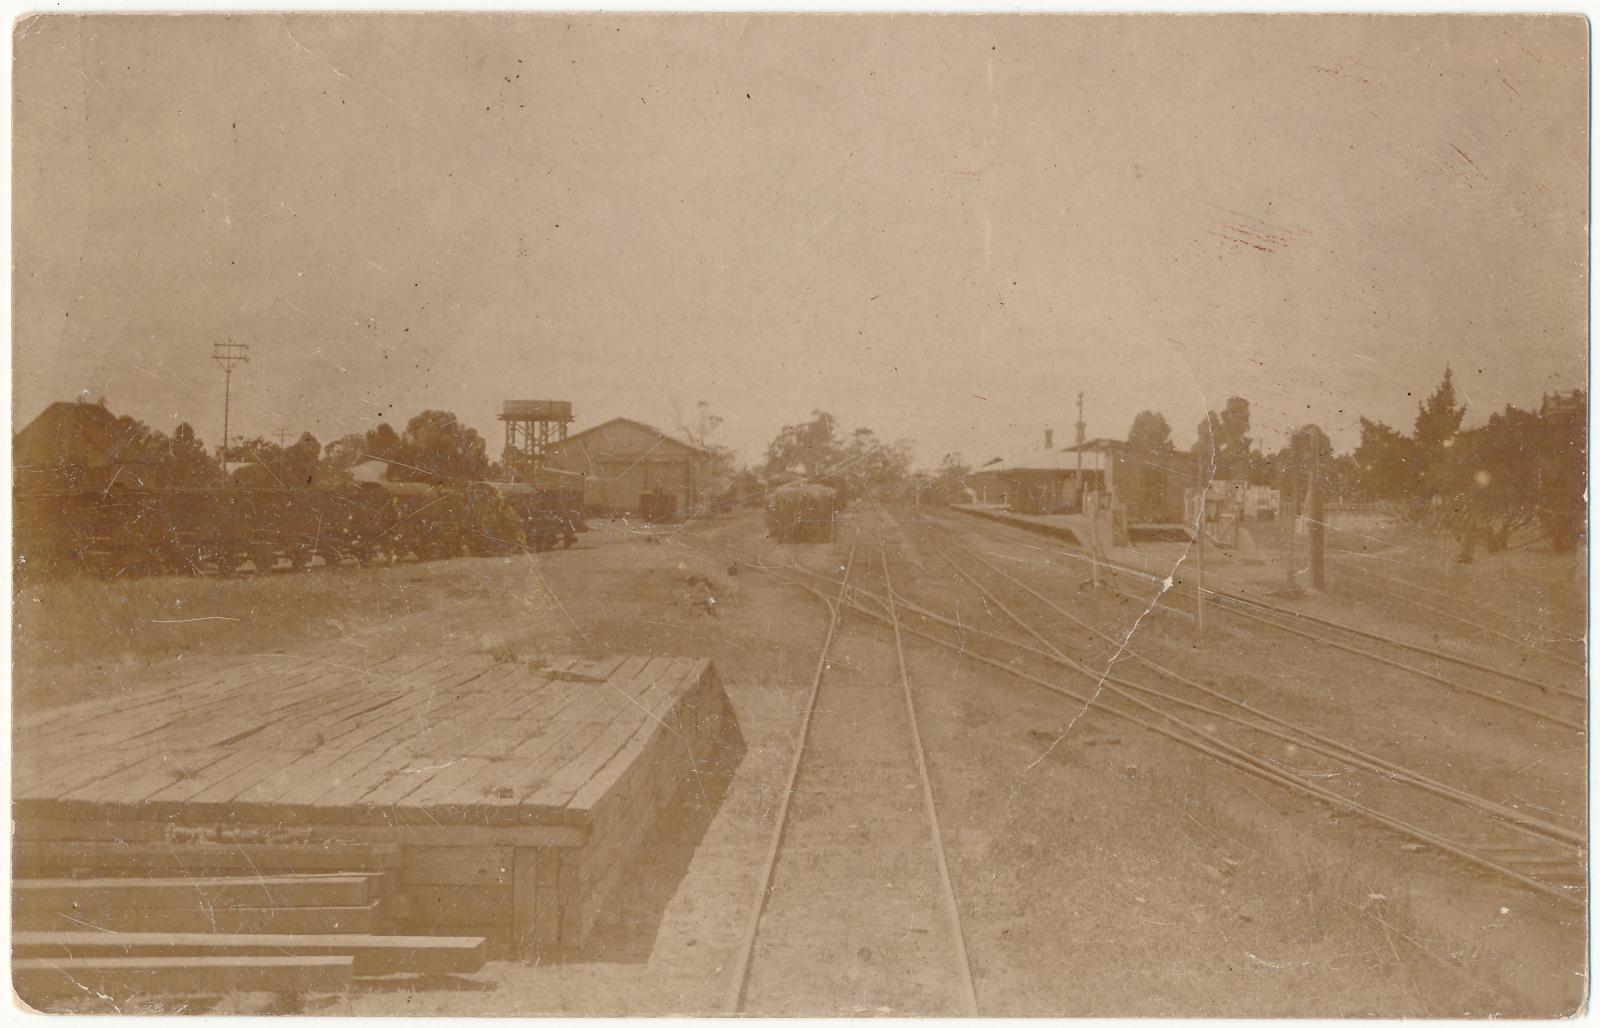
949, 483
1149, 433
701, 430
808, 448
382, 442
1438, 423
188, 463
1223, 445
1308, 453
861, 466
1386, 463
300, 461
1563, 507
870, 468
437, 446
347, 450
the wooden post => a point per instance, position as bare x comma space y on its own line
1094, 541
1288, 568
1314, 530
1200, 557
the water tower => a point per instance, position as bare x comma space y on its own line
532, 425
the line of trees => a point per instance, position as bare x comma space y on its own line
1520, 470
1490, 485
858, 463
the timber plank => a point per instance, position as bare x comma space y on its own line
374, 954
518, 692
410, 743
137, 782
459, 907
565, 771
119, 977
457, 865
312, 791
137, 721
507, 725
62, 724
249, 920
266, 797
114, 756
76, 894
418, 739
200, 712
427, 834
592, 791
480, 797
457, 790
28, 857
547, 899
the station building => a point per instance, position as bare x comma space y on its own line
1055, 480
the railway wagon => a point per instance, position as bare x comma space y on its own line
136, 530
539, 518
133, 530
803, 513
400, 519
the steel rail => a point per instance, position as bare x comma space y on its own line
1331, 623
1525, 644
1235, 757
1247, 763
1513, 817
1315, 741
969, 992
1515, 620
741, 971
1536, 828
1411, 669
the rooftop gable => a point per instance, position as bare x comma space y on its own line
640, 426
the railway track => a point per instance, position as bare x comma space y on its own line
1533, 697
855, 901
1538, 853
1556, 705
1528, 635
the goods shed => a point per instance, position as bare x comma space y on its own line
623, 459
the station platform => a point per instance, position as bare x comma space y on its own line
516, 792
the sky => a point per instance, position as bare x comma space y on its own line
941, 228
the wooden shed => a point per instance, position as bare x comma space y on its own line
623, 459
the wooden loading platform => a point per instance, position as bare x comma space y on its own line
428, 794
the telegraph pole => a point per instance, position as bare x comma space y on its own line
1080, 427
1200, 552
228, 356
283, 435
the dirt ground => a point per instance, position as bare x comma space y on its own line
1098, 868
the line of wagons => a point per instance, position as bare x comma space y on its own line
803, 512
123, 530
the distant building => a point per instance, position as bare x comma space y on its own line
1055, 480
1049, 481
1574, 404
68, 446
623, 459
1234, 498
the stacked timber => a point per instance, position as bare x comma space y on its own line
117, 920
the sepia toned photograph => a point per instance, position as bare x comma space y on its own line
827, 515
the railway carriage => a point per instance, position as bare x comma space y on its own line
803, 513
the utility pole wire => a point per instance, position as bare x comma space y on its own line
228, 356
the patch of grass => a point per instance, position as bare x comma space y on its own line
86, 620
